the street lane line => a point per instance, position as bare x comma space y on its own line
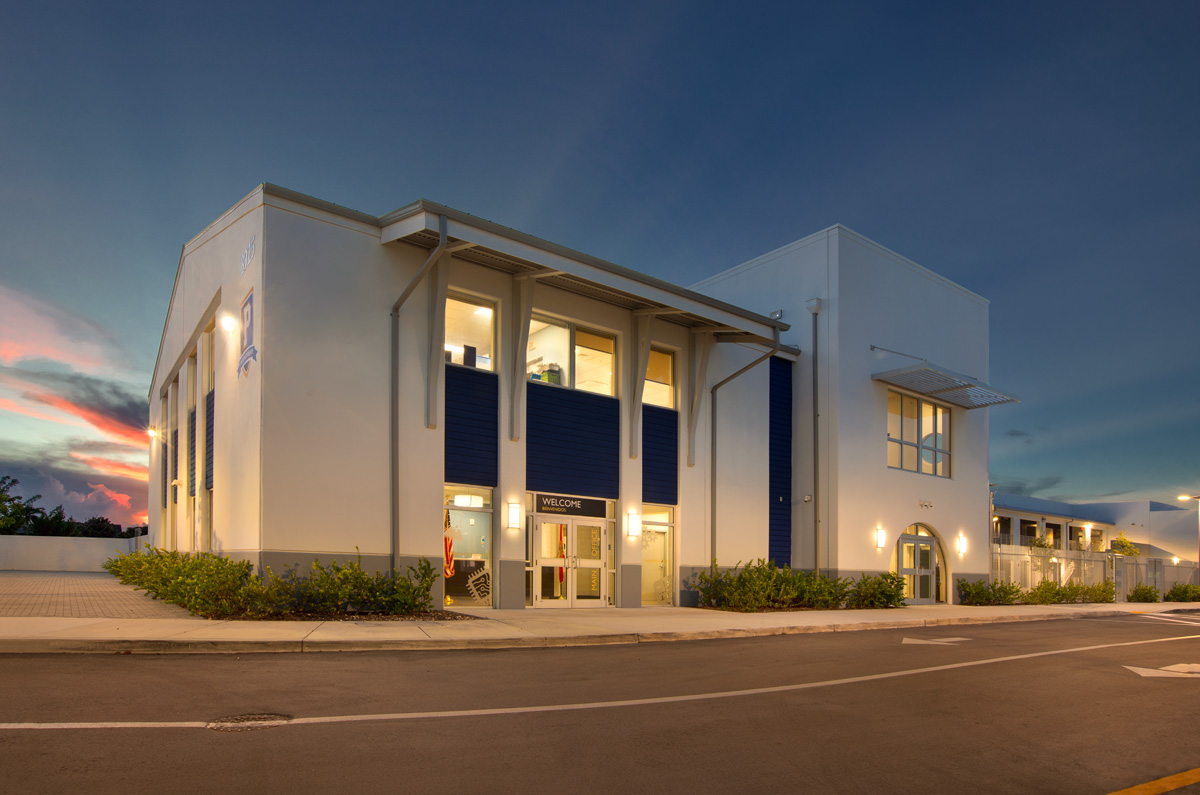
1173, 620
632, 702
1163, 784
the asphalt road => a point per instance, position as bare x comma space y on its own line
1046, 706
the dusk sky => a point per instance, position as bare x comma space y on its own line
1045, 155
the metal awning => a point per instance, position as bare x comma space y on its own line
945, 385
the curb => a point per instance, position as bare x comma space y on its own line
146, 646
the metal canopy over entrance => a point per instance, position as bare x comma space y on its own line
944, 385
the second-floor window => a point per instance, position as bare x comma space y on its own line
918, 435
563, 354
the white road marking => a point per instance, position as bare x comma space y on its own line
1185, 670
1171, 619
935, 642
632, 702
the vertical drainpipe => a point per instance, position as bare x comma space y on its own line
712, 463
394, 418
814, 306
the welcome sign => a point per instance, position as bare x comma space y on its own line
571, 506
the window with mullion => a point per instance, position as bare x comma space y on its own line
918, 435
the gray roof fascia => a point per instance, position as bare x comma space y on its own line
434, 209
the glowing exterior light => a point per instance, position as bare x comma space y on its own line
1175, 560
880, 538
151, 433
514, 515
633, 524
961, 544
228, 322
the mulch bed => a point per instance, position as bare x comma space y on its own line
432, 615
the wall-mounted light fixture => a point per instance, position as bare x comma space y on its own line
228, 322
514, 515
961, 544
1087, 535
1175, 560
151, 432
633, 523
880, 537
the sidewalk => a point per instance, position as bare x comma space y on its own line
95, 613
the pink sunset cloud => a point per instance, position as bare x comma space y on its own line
33, 329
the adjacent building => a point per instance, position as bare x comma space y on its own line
555, 430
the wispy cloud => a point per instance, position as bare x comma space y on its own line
105, 405
109, 466
32, 329
1030, 487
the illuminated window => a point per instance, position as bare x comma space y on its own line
560, 353
595, 355
918, 435
660, 379
467, 545
469, 333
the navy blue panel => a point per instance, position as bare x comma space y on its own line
779, 477
572, 442
192, 453
472, 425
165, 479
209, 402
174, 465
660, 455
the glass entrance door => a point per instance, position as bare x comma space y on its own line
917, 569
569, 563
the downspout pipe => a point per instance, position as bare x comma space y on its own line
394, 419
814, 306
712, 464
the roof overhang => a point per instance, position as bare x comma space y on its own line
945, 385
501, 248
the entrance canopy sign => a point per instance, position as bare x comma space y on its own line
571, 506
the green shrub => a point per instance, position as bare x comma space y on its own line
1143, 593
1183, 592
999, 592
1044, 593
877, 591
214, 587
762, 586
1101, 592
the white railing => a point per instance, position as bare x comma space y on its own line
1028, 566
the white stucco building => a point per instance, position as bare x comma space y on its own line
540, 423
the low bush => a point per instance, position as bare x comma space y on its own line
1183, 592
1048, 592
764, 586
999, 592
1044, 593
1101, 593
876, 591
1143, 593
216, 587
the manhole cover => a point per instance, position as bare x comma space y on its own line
249, 722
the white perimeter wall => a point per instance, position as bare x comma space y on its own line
52, 553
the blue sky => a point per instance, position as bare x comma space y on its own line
1041, 154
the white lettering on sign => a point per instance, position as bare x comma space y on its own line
558, 502
248, 254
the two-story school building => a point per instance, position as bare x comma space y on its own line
554, 430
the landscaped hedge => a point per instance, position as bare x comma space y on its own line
764, 586
216, 587
1183, 592
1044, 593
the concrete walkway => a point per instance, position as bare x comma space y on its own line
84, 612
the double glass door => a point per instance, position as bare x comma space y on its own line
569, 564
918, 567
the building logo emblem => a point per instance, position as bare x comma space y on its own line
249, 352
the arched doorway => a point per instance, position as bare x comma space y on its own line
919, 560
